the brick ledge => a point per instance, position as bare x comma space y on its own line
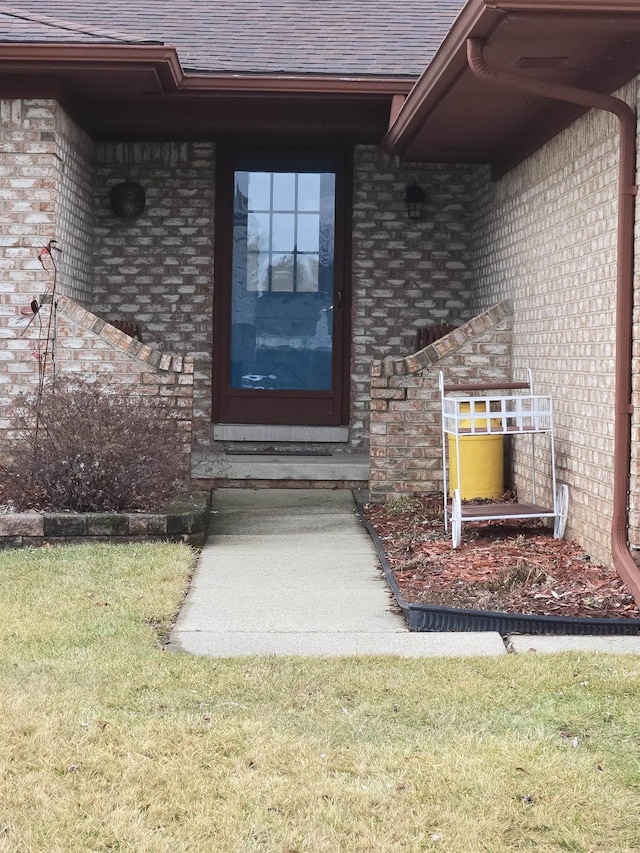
424, 358
115, 338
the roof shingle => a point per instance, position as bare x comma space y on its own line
369, 37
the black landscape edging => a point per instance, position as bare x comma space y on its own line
430, 617
184, 520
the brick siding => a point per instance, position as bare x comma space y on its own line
405, 274
157, 269
74, 209
46, 192
28, 166
542, 237
406, 424
546, 240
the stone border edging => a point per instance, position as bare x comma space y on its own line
185, 520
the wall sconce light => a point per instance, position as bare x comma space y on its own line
414, 199
128, 199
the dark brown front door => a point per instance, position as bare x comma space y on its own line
281, 345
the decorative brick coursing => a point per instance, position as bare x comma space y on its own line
405, 274
546, 240
406, 425
157, 269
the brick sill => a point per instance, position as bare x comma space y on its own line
185, 520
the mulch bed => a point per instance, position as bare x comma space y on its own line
511, 567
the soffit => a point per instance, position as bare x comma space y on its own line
193, 69
141, 91
452, 116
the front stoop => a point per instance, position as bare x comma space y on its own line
344, 470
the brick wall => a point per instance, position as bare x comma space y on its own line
28, 169
74, 209
546, 240
406, 425
47, 193
158, 267
406, 274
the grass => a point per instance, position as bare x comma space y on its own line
109, 743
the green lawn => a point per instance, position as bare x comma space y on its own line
108, 742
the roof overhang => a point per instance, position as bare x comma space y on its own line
142, 91
452, 116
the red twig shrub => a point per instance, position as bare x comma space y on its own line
92, 448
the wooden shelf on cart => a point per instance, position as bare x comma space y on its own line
481, 511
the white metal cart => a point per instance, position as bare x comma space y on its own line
508, 414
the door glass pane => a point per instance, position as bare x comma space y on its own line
259, 232
283, 278
308, 191
259, 184
284, 232
282, 273
257, 271
307, 273
284, 191
308, 232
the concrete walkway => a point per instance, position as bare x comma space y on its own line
292, 572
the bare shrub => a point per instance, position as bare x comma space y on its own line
92, 448
521, 573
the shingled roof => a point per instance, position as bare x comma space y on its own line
365, 38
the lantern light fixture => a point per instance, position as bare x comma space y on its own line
128, 199
414, 198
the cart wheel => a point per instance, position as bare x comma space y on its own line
562, 509
456, 519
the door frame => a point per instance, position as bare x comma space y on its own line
305, 408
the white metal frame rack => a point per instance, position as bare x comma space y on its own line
511, 414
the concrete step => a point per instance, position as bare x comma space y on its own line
342, 467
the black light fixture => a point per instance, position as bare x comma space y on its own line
128, 199
414, 199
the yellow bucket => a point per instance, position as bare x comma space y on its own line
481, 460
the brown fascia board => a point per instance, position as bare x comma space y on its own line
566, 6
478, 19
174, 79
46, 56
449, 62
302, 84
